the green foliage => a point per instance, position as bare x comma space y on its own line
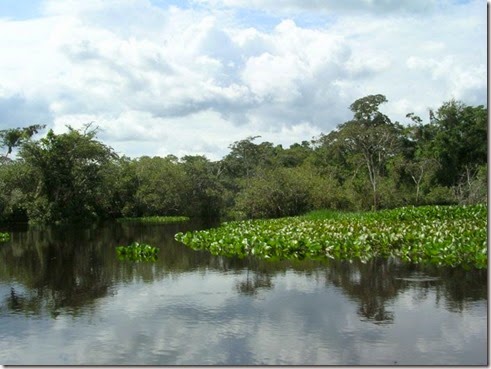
366, 110
472, 187
204, 192
294, 156
245, 157
275, 193
68, 174
460, 140
366, 163
122, 184
323, 214
369, 140
441, 235
155, 219
4, 237
161, 187
16, 188
440, 195
15, 137
137, 252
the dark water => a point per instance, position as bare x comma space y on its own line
66, 299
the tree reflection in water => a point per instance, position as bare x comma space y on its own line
67, 269
254, 281
372, 285
376, 284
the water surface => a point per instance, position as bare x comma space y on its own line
66, 299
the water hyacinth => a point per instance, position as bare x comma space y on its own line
441, 235
137, 252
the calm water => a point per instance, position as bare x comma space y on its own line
66, 299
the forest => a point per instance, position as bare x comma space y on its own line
367, 163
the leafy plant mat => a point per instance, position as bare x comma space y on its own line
137, 252
440, 235
155, 219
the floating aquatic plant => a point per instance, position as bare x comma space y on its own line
441, 235
137, 252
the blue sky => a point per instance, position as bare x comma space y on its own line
191, 77
19, 10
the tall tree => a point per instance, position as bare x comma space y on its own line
245, 157
68, 170
371, 137
162, 186
460, 142
204, 197
15, 137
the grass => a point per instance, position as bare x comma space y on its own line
441, 235
155, 219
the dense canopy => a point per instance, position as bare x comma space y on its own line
368, 162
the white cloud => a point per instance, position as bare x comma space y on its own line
329, 6
160, 75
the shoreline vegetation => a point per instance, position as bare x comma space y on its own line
154, 219
360, 169
369, 162
454, 236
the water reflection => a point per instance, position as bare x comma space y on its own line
61, 267
254, 281
190, 307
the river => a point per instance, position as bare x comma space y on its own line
66, 299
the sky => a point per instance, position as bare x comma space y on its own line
192, 77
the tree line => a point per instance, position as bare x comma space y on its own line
368, 162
